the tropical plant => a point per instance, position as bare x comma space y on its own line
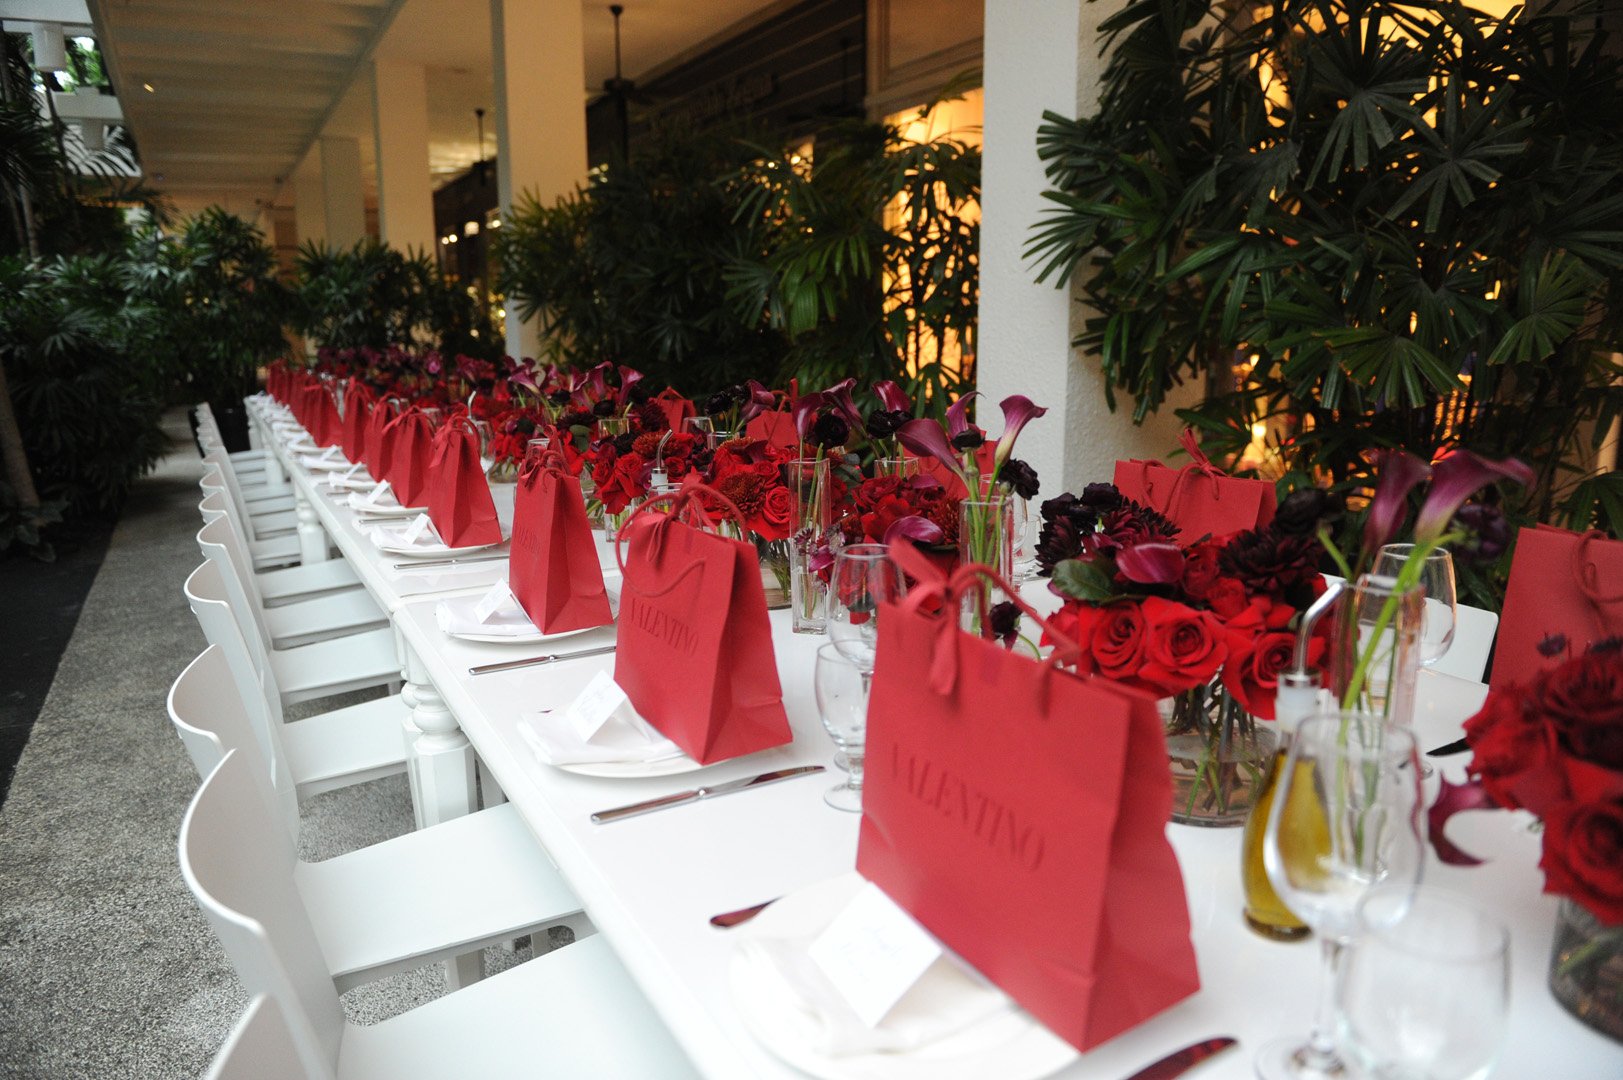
866, 257
372, 296
1367, 223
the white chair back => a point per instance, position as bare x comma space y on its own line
219, 541
219, 459
1467, 655
210, 715
240, 868
260, 1047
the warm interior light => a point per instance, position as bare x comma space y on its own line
471, 229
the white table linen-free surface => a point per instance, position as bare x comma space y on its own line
651, 883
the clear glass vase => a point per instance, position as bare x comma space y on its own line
902, 468
1586, 969
985, 536
1374, 658
808, 482
1219, 755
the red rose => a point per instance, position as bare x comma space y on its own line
873, 492
777, 513
885, 513
625, 483
1227, 597
1513, 753
1251, 674
1118, 641
1583, 856
1183, 647
1583, 700
1200, 570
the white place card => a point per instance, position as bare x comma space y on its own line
873, 952
420, 527
328, 454
337, 480
496, 598
595, 705
377, 493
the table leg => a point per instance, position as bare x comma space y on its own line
409, 731
312, 537
275, 475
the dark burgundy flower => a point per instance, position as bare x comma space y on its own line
1005, 622
559, 397
830, 430
1488, 533
604, 408
1065, 522
1129, 525
1021, 478
1303, 509
969, 439
577, 418
1101, 497
1269, 562
884, 422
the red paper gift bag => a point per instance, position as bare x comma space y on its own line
328, 428
1561, 582
985, 458
775, 428
695, 648
352, 429
1200, 498
553, 569
409, 457
677, 408
1018, 812
459, 502
379, 439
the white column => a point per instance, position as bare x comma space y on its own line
540, 112
400, 122
309, 211
341, 191
1044, 56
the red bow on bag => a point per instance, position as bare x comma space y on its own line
694, 651
1200, 498
1038, 854
1563, 585
459, 502
553, 568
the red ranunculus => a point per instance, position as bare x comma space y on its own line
1226, 596
1513, 753
1583, 700
1583, 856
1183, 647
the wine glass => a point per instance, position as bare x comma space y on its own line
1027, 527
863, 578
1345, 818
1437, 577
1426, 987
842, 702
701, 427
487, 440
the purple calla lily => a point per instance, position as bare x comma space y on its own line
958, 414
1151, 564
912, 527
525, 379
629, 377
891, 397
804, 411
839, 396
926, 437
1018, 411
1456, 478
1399, 473
761, 399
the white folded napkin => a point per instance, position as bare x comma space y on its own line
623, 738
458, 616
338, 480
800, 998
397, 535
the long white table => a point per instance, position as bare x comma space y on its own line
651, 883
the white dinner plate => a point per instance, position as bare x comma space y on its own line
466, 604
633, 770
1010, 1046
359, 482
390, 543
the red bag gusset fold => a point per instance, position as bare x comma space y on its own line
352, 427
776, 427
379, 440
1019, 812
677, 409
694, 649
553, 568
409, 457
1561, 583
1199, 498
459, 502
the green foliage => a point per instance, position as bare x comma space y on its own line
633, 267
1416, 229
372, 296
87, 406
867, 258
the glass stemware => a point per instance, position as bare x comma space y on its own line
701, 427
1345, 818
1426, 988
863, 578
1441, 611
487, 439
842, 703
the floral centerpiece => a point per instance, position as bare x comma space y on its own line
1554, 747
1209, 623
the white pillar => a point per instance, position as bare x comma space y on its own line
341, 191
1045, 55
400, 121
309, 211
540, 113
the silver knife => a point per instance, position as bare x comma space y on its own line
707, 792
429, 564
533, 661
1181, 1061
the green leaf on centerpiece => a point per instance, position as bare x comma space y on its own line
1085, 581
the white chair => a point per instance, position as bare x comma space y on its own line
268, 520
573, 1013
320, 753
299, 622
334, 666
269, 553
259, 1047
284, 585
208, 428
433, 894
